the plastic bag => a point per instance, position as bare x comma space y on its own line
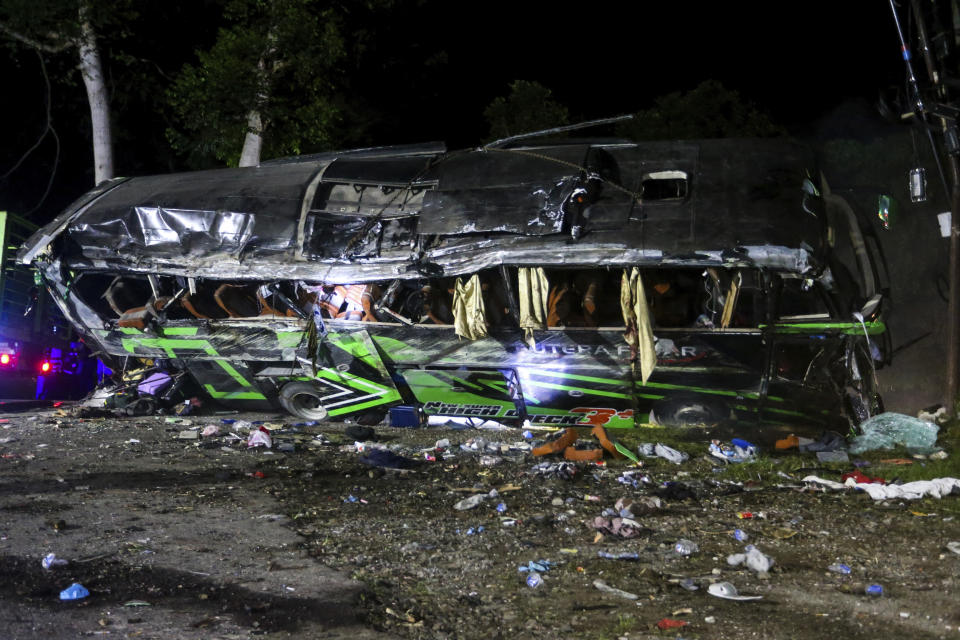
887, 430
259, 438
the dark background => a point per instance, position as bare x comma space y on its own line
434, 66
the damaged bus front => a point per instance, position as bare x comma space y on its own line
563, 283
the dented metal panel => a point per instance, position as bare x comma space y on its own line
336, 271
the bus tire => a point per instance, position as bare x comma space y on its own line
302, 399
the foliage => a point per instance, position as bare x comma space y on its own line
710, 110
281, 58
530, 106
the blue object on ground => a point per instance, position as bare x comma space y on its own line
76, 591
404, 416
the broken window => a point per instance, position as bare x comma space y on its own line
664, 185
801, 300
431, 300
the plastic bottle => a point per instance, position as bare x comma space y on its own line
51, 560
740, 535
686, 547
839, 568
875, 590
470, 503
534, 580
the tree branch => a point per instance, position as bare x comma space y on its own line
62, 45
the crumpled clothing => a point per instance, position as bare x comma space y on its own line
622, 527
532, 292
936, 488
636, 317
659, 450
755, 559
384, 458
829, 441
469, 313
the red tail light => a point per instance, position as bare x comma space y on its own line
45, 367
4, 358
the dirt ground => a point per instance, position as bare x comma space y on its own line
204, 538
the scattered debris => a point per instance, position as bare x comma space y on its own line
830, 441
684, 547
387, 459
755, 559
471, 502
75, 591
727, 591
259, 437
620, 527
604, 587
888, 430
659, 450
936, 488
668, 623
737, 451
51, 560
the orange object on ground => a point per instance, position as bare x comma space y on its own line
560, 444
790, 442
580, 455
897, 461
600, 434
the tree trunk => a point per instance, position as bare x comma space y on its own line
253, 142
92, 70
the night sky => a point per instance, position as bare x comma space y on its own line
797, 61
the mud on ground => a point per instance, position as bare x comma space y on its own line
203, 538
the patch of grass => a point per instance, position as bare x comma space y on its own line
625, 623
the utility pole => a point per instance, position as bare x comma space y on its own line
947, 117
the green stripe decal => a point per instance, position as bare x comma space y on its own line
168, 345
289, 339
180, 331
573, 376
593, 392
354, 347
848, 328
385, 394
233, 395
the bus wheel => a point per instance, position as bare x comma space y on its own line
302, 399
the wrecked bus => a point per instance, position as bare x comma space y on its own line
564, 282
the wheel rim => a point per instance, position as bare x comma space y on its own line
307, 405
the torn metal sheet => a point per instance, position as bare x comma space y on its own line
326, 284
